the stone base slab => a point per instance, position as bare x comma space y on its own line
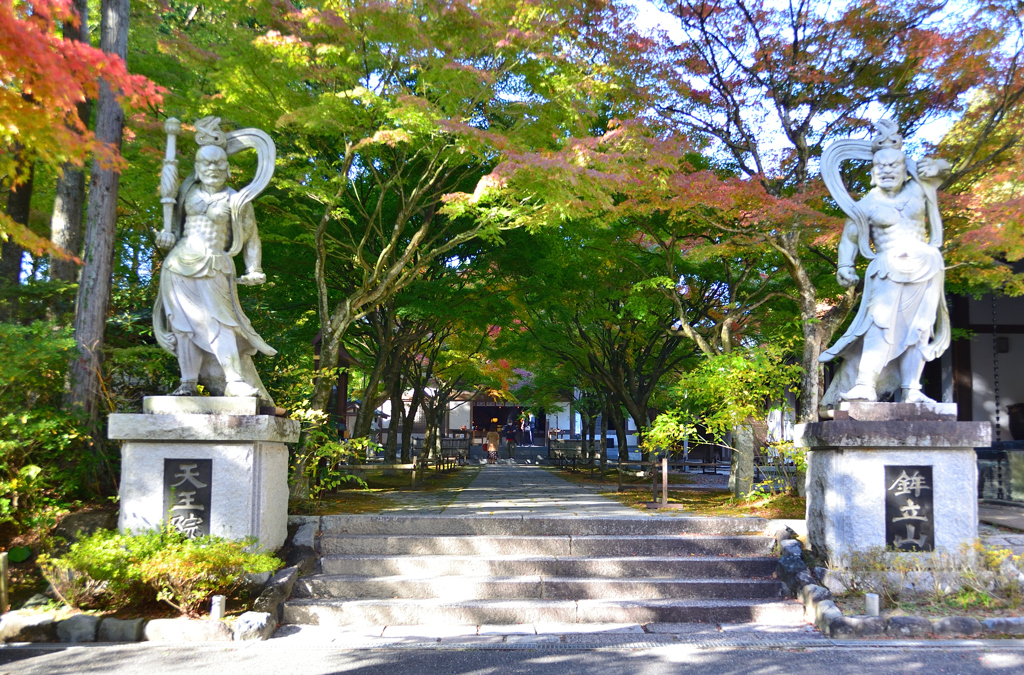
249, 482
846, 483
846, 494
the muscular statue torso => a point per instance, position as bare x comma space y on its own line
207, 219
902, 218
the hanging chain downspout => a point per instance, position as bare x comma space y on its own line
995, 390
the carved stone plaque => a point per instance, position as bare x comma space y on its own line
187, 491
909, 516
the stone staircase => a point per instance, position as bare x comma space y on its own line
420, 570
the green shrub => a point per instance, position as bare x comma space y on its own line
187, 572
34, 431
108, 570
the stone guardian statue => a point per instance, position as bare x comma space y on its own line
902, 322
197, 316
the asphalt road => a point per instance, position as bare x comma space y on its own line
258, 658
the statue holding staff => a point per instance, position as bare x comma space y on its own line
902, 321
197, 316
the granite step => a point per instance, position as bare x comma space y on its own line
552, 545
531, 587
692, 567
404, 612
534, 525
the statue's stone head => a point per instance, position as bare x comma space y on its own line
888, 169
212, 166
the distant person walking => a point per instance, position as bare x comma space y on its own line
491, 442
510, 438
527, 431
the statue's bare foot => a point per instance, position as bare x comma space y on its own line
239, 388
186, 388
861, 392
915, 396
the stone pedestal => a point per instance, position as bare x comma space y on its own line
878, 468
206, 465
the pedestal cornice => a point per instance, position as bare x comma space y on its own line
931, 434
224, 428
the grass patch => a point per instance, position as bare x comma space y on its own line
701, 503
389, 492
980, 581
966, 602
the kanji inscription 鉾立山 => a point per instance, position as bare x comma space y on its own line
909, 497
187, 491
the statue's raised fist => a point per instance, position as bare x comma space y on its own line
165, 240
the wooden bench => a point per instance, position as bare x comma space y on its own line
415, 469
564, 452
454, 452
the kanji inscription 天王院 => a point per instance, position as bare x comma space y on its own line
187, 494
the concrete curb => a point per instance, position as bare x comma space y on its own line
821, 610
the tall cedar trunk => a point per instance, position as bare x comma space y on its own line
19, 201
101, 227
66, 221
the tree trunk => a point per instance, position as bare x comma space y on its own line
371, 400
408, 421
591, 429
810, 381
604, 436
614, 412
371, 396
66, 221
741, 469
19, 201
397, 415
641, 424
435, 419
101, 228
322, 386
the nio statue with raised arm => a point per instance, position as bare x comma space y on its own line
197, 316
902, 321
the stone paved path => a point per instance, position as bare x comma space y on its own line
996, 538
511, 490
794, 634
427, 502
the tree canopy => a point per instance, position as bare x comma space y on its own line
532, 199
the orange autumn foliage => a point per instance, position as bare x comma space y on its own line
43, 77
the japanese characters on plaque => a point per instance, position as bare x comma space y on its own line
909, 496
187, 495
